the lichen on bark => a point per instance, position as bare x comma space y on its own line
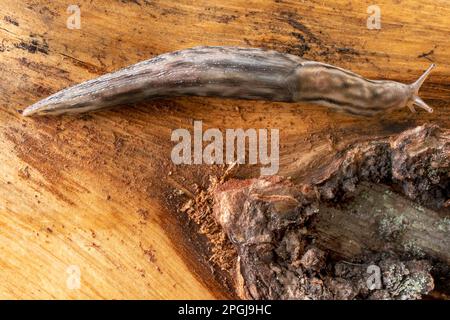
268, 221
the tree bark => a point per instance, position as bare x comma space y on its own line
281, 231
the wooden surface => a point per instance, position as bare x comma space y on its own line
100, 192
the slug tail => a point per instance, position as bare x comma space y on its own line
33, 109
29, 111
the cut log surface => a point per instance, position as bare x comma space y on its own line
89, 204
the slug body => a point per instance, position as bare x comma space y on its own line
240, 73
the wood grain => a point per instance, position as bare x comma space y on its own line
100, 192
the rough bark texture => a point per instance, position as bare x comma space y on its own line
269, 221
417, 160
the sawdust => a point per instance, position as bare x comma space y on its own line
200, 210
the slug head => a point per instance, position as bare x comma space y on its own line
414, 100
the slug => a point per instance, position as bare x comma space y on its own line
240, 73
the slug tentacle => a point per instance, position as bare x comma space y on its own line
239, 73
415, 87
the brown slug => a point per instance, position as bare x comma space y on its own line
240, 73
